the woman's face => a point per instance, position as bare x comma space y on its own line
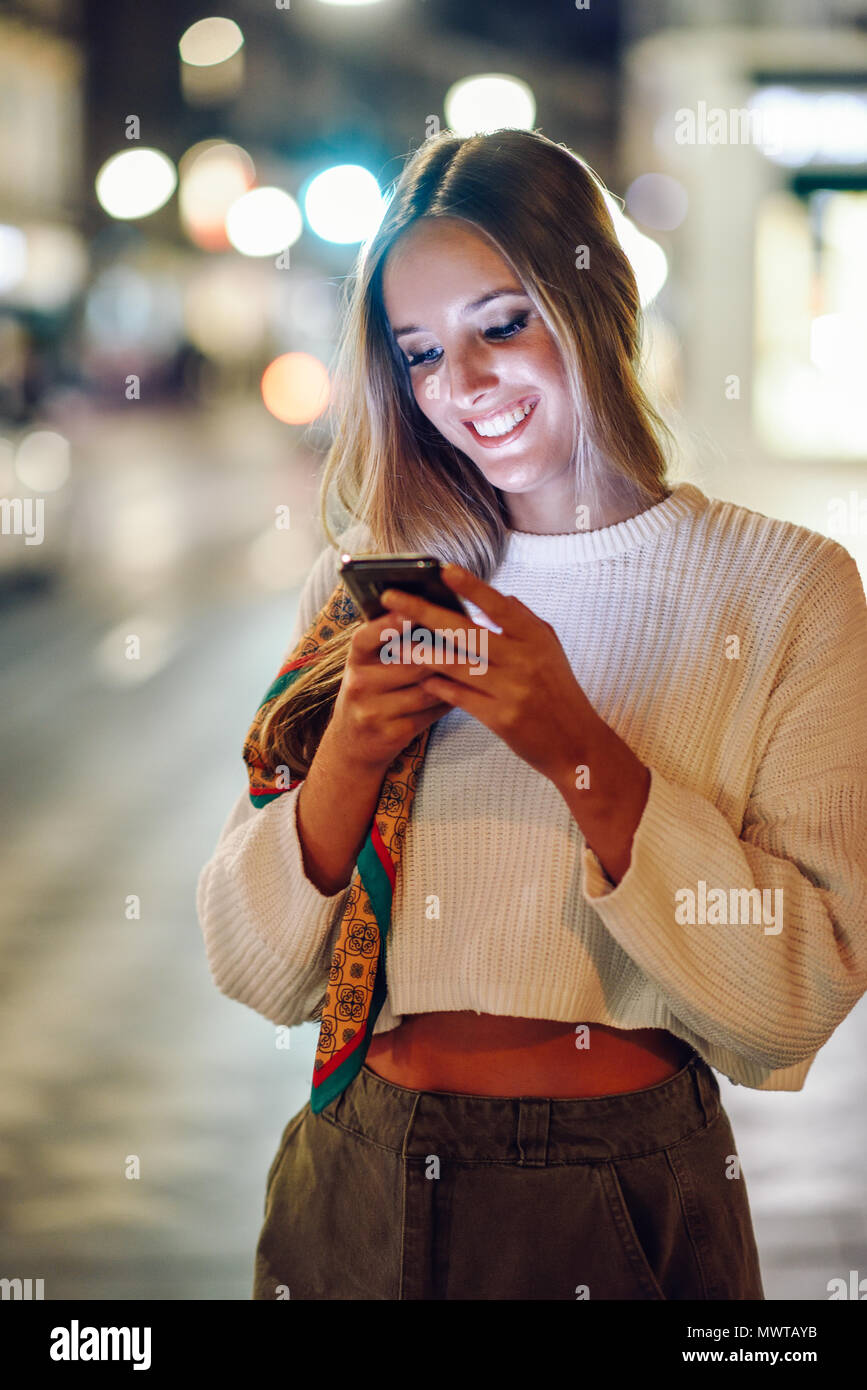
484, 368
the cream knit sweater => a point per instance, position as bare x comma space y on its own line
729, 650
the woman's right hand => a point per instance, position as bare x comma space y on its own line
381, 705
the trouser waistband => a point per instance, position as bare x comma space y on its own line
528, 1130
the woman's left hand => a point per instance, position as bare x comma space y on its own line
528, 694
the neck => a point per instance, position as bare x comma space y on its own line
589, 512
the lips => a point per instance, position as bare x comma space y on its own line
500, 426
500, 410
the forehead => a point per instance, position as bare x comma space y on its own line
437, 256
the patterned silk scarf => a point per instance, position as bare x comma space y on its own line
356, 983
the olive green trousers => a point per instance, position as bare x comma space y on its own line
392, 1193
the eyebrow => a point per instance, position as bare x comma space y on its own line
467, 309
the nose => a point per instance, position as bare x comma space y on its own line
471, 379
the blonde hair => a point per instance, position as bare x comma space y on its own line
389, 468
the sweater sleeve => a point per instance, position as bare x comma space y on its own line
268, 930
773, 992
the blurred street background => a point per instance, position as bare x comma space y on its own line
182, 193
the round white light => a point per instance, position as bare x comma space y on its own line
344, 204
42, 461
492, 101
263, 222
135, 183
210, 41
658, 201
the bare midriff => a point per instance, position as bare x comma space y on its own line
490, 1055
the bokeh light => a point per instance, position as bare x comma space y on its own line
145, 530
135, 183
226, 307
42, 460
127, 308
54, 268
210, 41
213, 175
658, 201
158, 643
302, 306
263, 222
490, 101
295, 388
344, 204
798, 127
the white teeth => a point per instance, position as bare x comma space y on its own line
501, 424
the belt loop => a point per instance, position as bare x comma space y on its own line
534, 1114
408, 1131
706, 1089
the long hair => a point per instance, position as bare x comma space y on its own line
390, 470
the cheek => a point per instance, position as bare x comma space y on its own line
542, 354
551, 364
425, 396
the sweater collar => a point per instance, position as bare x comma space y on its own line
579, 547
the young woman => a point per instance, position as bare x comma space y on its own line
637, 845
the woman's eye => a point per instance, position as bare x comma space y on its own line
498, 332
508, 330
418, 358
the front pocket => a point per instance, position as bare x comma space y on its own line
291, 1129
627, 1233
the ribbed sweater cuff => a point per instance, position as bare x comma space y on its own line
304, 903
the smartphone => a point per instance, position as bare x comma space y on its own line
366, 576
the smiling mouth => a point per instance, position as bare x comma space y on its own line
504, 425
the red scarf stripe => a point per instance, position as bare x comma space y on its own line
294, 665
339, 1057
382, 853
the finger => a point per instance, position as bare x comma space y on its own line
464, 670
377, 630
371, 635
461, 697
423, 613
410, 700
507, 612
386, 668
423, 720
